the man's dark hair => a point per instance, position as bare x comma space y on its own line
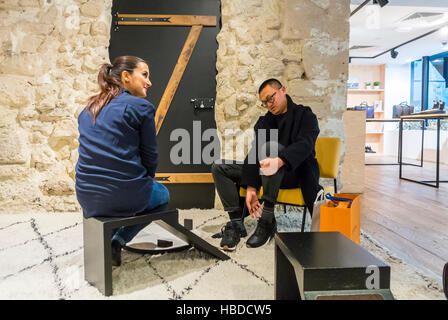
274, 83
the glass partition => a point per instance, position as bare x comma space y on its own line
416, 84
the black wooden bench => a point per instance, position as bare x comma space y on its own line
326, 266
97, 234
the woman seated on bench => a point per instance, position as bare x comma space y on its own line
118, 150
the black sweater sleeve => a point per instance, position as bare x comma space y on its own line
303, 142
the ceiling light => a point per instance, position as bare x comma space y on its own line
393, 53
404, 29
444, 31
382, 3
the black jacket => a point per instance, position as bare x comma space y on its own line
298, 129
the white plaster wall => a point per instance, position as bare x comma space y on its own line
397, 90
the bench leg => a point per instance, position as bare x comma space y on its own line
182, 233
97, 255
286, 284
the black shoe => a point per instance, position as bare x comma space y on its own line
116, 253
231, 235
240, 227
445, 280
369, 149
265, 231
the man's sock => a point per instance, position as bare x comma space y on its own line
236, 214
268, 211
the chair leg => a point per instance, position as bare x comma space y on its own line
303, 219
284, 208
335, 186
191, 238
97, 255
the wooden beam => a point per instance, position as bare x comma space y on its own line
184, 178
172, 20
176, 76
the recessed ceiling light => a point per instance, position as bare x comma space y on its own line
444, 31
404, 29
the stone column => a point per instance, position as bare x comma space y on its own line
303, 43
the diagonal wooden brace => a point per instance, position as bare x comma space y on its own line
176, 76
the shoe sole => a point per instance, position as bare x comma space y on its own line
248, 246
226, 248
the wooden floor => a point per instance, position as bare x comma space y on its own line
408, 218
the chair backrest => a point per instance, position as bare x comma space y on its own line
328, 154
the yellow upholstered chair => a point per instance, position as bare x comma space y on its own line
328, 154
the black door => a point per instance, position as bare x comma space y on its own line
193, 101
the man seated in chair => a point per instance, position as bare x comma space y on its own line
292, 165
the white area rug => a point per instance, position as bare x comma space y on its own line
41, 257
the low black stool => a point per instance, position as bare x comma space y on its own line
326, 266
97, 234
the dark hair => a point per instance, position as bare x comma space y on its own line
274, 83
109, 81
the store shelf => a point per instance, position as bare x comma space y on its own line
365, 91
361, 74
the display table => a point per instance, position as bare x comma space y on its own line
399, 146
423, 118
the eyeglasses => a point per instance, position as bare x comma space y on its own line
270, 99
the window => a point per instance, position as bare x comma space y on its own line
416, 84
437, 84
429, 81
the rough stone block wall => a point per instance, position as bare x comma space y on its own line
50, 52
303, 43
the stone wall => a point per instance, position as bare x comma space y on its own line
49, 59
50, 52
303, 43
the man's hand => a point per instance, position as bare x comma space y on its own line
252, 203
270, 166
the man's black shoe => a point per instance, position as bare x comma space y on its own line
116, 253
265, 231
240, 227
231, 234
369, 149
445, 280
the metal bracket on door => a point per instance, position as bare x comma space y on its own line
119, 19
200, 104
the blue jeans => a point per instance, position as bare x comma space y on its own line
158, 202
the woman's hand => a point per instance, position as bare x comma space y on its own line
270, 166
252, 203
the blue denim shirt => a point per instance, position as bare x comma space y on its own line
117, 157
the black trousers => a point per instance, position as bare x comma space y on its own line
227, 182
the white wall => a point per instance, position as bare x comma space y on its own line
397, 89
398, 86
